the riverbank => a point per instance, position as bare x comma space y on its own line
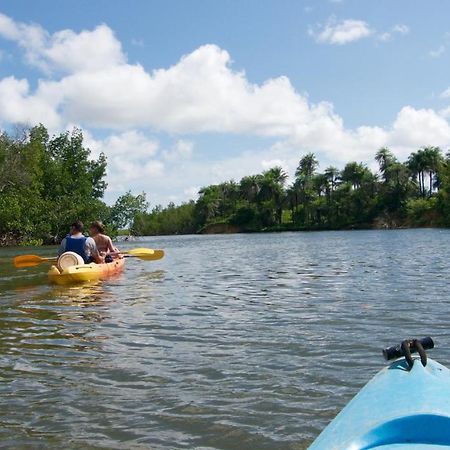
217, 229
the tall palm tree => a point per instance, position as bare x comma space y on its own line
249, 188
416, 165
385, 159
303, 181
209, 202
321, 184
272, 190
425, 160
291, 198
332, 174
307, 166
354, 173
433, 159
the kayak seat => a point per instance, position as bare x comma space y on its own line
425, 429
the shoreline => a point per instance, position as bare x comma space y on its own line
235, 230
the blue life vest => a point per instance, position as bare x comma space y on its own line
77, 245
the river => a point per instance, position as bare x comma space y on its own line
229, 342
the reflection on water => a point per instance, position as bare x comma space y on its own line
236, 342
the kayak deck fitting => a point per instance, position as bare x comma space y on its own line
85, 273
405, 406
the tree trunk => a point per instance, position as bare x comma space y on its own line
422, 184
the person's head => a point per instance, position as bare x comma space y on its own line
96, 228
76, 227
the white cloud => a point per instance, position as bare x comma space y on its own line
445, 113
346, 31
18, 105
384, 37
340, 33
400, 28
437, 52
396, 29
446, 93
441, 49
64, 50
418, 127
192, 192
132, 158
201, 93
180, 151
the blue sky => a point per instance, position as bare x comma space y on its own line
180, 94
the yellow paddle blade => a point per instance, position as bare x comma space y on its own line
147, 254
30, 260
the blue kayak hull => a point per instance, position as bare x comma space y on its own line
397, 409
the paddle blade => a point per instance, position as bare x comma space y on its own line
147, 254
29, 260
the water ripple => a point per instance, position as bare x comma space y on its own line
230, 342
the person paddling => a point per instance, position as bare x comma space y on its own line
103, 242
84, 246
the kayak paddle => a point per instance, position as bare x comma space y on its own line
147, 254
30, 260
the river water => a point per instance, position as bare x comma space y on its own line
229, 342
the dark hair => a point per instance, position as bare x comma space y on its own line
78, 225
98, 226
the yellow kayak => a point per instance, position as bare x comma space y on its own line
85, 273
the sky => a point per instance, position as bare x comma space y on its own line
182, 94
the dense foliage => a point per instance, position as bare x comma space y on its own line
47, 183
412, 193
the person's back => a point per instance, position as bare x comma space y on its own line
103, 242
81, 245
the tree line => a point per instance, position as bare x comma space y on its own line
415, 192
48, 182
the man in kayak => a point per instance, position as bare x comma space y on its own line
84, 246
104, 243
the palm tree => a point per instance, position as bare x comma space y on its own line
321, 184
425, 160
332, 174
303, 182
272, 190
209, 202
291, 198
415, 165
307, 166
385, 158
249, 188
433, 159
354, 173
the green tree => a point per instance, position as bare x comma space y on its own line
385, 159
126, 207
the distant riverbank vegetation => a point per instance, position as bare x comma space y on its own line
46, 183
412, 193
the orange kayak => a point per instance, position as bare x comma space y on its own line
85, 273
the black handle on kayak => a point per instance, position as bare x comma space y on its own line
398, 350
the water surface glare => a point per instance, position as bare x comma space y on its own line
230, 342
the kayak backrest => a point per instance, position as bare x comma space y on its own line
69, 259
424, 429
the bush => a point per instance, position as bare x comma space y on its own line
421, 211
